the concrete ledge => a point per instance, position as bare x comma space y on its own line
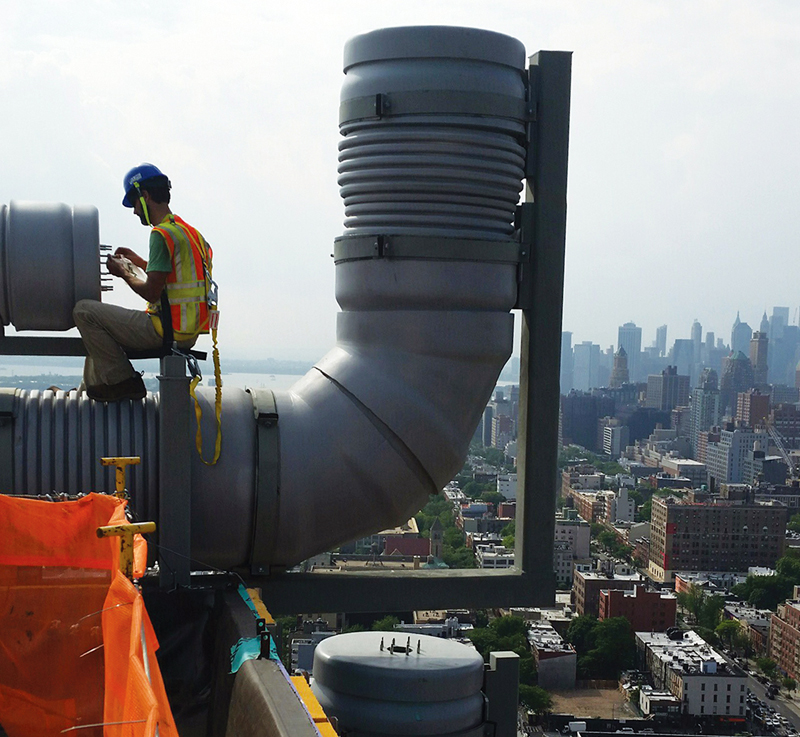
264, 704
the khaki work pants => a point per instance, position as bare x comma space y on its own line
106, 331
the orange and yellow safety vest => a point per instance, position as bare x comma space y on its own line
187, 284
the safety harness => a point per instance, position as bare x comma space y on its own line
194, 367
168, 342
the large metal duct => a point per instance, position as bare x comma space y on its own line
53, 244
431, 165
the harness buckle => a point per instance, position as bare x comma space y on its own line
191, 362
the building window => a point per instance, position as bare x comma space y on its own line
702, 686
715, 686
729, 687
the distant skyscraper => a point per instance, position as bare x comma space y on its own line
759, 345
682, 357
620, 374
705, 405
740, 337
764, 328
566, 362
778, 321
667, 390
737, 376
697, 343
661, 340
630, 338
586, 365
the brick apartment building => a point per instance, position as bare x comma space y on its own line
720, 536
588, 504
647, 611
784, 638
704, 683
752, 407
586, 587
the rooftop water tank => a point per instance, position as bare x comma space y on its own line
386, 683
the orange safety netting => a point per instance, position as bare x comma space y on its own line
72, 628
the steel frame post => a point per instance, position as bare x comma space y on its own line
541, 298
175, 474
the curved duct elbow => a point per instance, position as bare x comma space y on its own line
430, 169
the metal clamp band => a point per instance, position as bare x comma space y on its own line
359, 247
267, 497
433, 102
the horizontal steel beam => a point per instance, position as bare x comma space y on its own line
35, 346
398, 590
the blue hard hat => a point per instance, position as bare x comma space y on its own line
138, 175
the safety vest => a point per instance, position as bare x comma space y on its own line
187, 283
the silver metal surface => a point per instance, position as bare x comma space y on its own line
392, 683
388, 284
344, 473
223, 495
49, 259
441, 152
60, 437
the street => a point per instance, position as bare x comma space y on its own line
783, 707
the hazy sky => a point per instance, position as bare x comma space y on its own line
683, 195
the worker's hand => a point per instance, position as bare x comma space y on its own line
119, 266
132, 256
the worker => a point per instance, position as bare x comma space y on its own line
175, 280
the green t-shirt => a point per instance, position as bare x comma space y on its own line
159, 258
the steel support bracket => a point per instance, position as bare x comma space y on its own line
175, 474
526, 227
267, 497
424, 248
7, 401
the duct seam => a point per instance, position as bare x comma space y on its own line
391, 438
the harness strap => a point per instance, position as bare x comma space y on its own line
217, 399
166, 322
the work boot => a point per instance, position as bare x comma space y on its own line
132, 388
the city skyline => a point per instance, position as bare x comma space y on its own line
649, 335
649, 338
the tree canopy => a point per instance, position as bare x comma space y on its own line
508, 633
766, 592
605, 647
705, 610
612, 544
454, 552
535, 698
